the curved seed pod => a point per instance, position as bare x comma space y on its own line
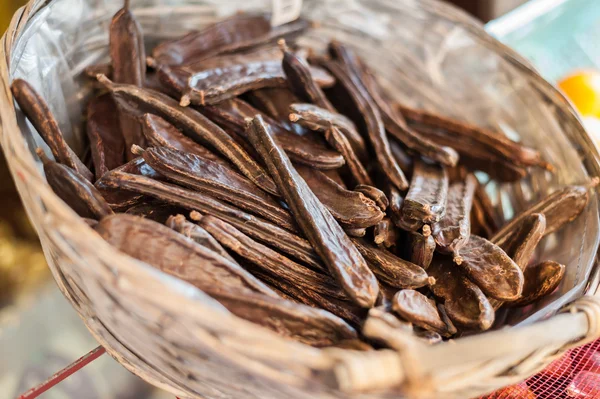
338, 141
212, 86
270, 262
197, 234
254, 226
154, 210
540, 280
375, 194
160, 133
416, 308
128, 60
405, 161
350, 208
497, 142
421, 249
454, 228
163, 248
340, 255
301, 79
425, 202
239, 32
276, 103
320, 119
391, 269
193, 123
385, 233
104, 132
308, 325
396, 200
559, 208
269, 52
232, 115
522, 243
36, 110
465, 304
450, 327
491, 269
120, 200
374, 125
483, 213
397, 127
218, 181
74, 189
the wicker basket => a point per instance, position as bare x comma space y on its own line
176, 337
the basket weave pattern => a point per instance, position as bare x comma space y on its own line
179, 339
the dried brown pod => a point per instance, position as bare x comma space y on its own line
310, 151
522, 243
385, 233
540, 280
420, 249
391, 269
404, 159
128, 60
194, 124
425, 202
453, 230
160, 133
450, 327
74, 189
241, 31
491, 269
163, 248
104, 133
375, 194
350, 208
559, 208
338, 141
37, 111
180, 224
328, 239
275, 103
216, 180
465, 304
421, 311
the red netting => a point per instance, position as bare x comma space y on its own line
575, 375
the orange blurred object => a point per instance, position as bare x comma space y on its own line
583, 89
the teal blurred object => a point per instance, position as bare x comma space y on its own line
557, 36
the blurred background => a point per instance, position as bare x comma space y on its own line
40, 333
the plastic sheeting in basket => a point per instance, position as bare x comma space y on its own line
171, 334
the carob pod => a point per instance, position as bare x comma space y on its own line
425, 202
495, 141
74, 189
540, 280
453, 230
320, 119
160, 133
336, 249
104, 133
212, 86
217, 181
405, 161
197, 234
232, 115
559, 208
491, 269
375, 194
254, 226
465, 303
373, 124
396, 201
385, 233
36, 110
350, 208
192, 123
420, 248
239, 32
483, 215
154, 210
128, 60
450, 327
421, 311
163, 248
269, 261
305, 324
276, 103
396, 126
391, 269
255, 54
120, 200
340, 142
